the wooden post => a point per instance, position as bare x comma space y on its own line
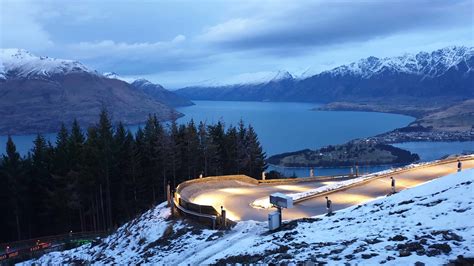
168, 193
279, 212
224, 218
172, 207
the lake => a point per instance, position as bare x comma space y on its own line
284, 127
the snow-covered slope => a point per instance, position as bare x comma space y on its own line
248, 79
19, 63
431, 223
432, 64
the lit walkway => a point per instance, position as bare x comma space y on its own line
237, 196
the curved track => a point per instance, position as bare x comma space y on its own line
236, 196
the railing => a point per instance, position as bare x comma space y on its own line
206, 213
209, 213
394, 172
17, 251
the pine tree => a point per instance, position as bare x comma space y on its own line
122, 149
76, 145
12, 187
242, 158
231, 146
105, 141
203, 148
61, 156
40, 186
191, 142
255, 154
175, 145
90, 182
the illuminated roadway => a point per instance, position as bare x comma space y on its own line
236, 196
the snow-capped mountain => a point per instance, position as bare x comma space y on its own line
446, 72
20, 63
40, 93
253, 78
424, 64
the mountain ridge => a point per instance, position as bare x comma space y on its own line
37, 94
439, 73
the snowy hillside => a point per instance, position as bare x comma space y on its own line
431, 223
248, 78
432, 64
19, 63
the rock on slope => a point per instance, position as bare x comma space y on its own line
431, 223
38, 93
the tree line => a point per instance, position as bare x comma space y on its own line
97, 179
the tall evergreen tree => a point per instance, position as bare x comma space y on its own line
191, 142
40, 187
105, 141
12, 186
256, 155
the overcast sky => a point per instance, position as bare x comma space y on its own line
185, 42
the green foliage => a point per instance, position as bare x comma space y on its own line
101, 178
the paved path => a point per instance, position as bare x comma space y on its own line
237, 196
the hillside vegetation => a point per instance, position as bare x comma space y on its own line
349, 154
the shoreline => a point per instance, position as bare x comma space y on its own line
452, 121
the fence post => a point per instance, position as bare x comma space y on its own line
168, 193
223, 217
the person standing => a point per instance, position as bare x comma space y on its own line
329, 206
393, 184
459, 166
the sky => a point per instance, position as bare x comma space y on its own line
180, 43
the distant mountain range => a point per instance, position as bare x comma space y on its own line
448, 72
38, 93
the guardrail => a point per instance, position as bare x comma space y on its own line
17, 251
208, 214
400, 170
304, 179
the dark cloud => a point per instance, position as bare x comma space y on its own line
322, 24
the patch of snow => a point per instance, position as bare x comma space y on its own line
113, 75
423, 64
21, 63
248, 79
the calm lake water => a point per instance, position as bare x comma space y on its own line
284, 127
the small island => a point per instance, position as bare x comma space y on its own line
349, 154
